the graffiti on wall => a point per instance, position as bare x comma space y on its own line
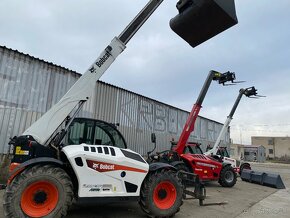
148, 115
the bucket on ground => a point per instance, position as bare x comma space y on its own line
266, 179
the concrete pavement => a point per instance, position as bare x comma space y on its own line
243, 200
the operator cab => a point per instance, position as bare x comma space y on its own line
222, 151
94, 132
190, 148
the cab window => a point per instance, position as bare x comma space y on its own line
192, 150
196, 150
94, 132
80, 132
223, 152
187, 150
101, 137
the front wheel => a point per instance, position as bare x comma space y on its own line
161, 194
39, 191
228, 176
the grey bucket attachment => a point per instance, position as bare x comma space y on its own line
200, 20
267, 179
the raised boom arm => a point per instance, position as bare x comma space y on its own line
222, 78
248, 92
44, 128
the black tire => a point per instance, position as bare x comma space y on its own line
244, 166
181, 167
44, 183
155, 200
228, 176
186, 179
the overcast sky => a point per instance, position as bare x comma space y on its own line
159, 64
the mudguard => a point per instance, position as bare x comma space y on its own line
156, 166
225, 164
243, 166
175, 163
32, 162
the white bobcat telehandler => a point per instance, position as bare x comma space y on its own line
221, 153
46, 175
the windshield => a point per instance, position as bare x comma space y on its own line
194, 149
94, 132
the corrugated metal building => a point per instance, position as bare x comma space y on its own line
30, 86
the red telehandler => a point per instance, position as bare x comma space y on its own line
218, 152
206, 167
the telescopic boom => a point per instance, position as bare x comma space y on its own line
80, 92
248, 92
222, 78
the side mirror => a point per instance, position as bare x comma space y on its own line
153, 137
153, 140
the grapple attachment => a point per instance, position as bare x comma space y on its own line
266, 179
223, 78
200, 20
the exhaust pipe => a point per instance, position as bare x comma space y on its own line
200, 20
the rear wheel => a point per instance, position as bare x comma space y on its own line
244, 166
187, 180
182, 167
228, 176
39, 191
161, 194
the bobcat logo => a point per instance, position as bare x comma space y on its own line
96, 166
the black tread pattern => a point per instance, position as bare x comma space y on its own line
222, 180
182, 167
147, 189
244, 166
14, 190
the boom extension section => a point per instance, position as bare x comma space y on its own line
221, 78
44, 128
250, 92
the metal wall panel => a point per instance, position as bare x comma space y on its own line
30, 86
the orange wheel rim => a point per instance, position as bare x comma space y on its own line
39, 199
164, 195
